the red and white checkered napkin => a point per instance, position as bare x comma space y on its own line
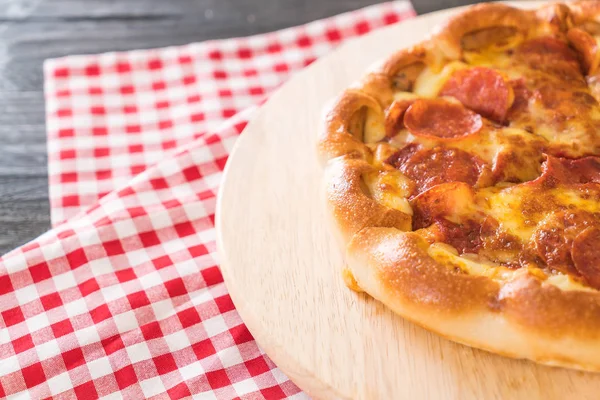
123, 298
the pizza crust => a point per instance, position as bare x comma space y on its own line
521, 318
447, 38
350, 204
525, 316
584, 10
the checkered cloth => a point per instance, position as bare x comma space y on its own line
123, 298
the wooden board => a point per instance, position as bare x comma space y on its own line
282, 266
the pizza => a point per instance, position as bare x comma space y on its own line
463, 180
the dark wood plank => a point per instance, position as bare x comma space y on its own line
33, 30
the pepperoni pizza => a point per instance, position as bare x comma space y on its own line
463, 177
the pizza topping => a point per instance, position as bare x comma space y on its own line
401, 156
565, 102
552, 246
483, 237
390, 188
586, 255
510, 166
440, 119
374, 127
563, 74
430, 167
521, 96
557, 170
445, 200
394, 116
497, 244
464, 237
553, 238
546, 49
481, 89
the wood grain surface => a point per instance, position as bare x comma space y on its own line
283, 268
33, 30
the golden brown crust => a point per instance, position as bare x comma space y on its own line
385, 77
587, 47
343, 135
520, 318
406, 271
350, 203
557, 15
584, 10
523, 316
482, 16
403, 58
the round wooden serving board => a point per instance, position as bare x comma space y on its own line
283, 267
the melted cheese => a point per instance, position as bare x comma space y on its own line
390, 188
572, 198
445, 254
374, 129
518, 209
430, 82
505, 206
473, 265
487, 58
576, 131
508, 206
566, 283
399, 96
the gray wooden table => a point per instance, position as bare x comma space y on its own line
33, 30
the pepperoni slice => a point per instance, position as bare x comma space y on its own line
558, 170
550, 97
440, 119
586, 255
485, 238
554, 237
454, 198
481, 89
430, 167
565, 101
567, 72
553, 248
546, 48
401, 156
552, 56
394, 116
464, 237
